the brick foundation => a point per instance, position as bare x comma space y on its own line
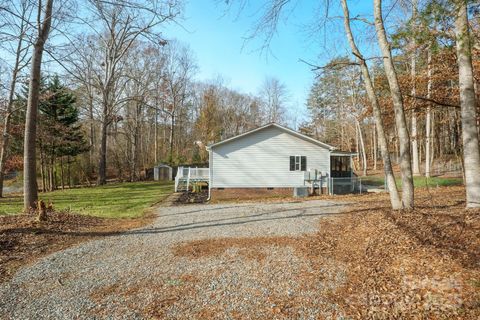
249, 193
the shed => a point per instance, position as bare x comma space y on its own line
162, 172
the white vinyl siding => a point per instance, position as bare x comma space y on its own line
262, 159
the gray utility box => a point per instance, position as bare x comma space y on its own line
300, 192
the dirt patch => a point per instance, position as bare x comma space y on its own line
23, 239
250, 248
419, 264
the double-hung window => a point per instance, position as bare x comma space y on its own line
298, 163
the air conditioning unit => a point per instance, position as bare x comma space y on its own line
300, 192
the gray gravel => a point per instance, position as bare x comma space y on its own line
135, 275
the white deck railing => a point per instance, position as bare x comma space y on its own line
191, 174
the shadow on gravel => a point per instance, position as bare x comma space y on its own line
202, 210
239, 220
240, 205
219, 223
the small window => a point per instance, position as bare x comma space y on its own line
298, 163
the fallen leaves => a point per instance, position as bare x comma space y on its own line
419, 264
406, 264
24, 239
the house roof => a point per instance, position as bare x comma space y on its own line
162, 165
275, 125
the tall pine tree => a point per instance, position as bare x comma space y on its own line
60, 134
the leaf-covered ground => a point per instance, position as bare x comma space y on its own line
419, 264
23, 239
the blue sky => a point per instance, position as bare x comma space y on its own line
217, 38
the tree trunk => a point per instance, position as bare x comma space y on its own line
8, 114
69, 176
471, 152
156, 136
53, 178
420, 150
42, 171
401, 123
48, 175
362, 148
30, 187
108, 92
374, 147
382, 139
92, 134
357, 147
62, 173
413, 71
428, 117
172, 126
397, 148
415, 155
102, 163
133, 169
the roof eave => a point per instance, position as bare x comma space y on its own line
300, 135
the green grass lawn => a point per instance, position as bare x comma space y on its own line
418, 182
121, 200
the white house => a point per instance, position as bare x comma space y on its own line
272, 160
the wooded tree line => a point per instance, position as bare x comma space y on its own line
336, 114
132, 92
415, 104
118, 96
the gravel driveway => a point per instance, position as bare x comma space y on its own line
138, 274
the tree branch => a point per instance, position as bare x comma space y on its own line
438, 103
330, 65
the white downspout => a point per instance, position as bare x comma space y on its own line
210, 168
329, 176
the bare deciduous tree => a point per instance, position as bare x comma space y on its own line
401, 123
413, 71
30, 188
121, 24
179, 70
471, 152
17, 26
428, 117
274, 97
382, 139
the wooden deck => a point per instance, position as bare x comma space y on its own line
186, 177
